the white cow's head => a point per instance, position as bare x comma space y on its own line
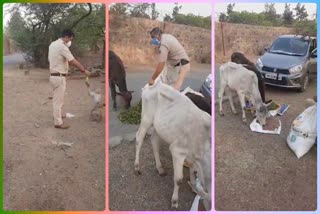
262, 113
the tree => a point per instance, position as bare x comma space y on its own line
140, 10
230, 8
92, 30
43, 23
119, 9
270, 9
154, 12
18, 32
167, 18
193, 20
271, 14
175, 11
287, 14
301, 12
223, 17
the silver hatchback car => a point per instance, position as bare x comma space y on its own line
289, 62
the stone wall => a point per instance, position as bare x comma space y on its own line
249, 39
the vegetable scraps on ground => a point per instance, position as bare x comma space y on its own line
132, 115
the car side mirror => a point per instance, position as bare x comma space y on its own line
313, 54
266, 49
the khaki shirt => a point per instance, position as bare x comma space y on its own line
171, 50
59, 57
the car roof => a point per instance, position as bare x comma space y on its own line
297, 36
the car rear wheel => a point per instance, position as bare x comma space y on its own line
304, 81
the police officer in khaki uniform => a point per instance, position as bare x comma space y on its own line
59, 58
170, 52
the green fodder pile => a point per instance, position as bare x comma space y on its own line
132, 115
273, 106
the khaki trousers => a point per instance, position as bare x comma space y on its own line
58, 84
175, 76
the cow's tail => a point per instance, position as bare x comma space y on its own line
200, 189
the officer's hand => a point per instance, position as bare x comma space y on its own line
87, 72
151, 82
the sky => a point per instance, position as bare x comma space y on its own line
259, 7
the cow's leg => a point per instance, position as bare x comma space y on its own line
192, 172
229, 94
253, 106
155, 141
192, 183
178, 156
113, 94
243, 105
141, 133
262, 89
221, 92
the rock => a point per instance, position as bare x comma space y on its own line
115, 141
130, 137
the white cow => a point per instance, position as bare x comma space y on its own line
187, 129
245, 82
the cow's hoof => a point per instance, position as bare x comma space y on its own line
235, 113
137, 172
162, 173
137, 169
174, 204
221, 114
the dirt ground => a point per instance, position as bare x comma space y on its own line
148, 191
259, 171
38, 175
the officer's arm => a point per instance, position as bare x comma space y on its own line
77, 64
158, 70
163, 55
68, 55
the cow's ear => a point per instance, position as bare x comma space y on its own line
268, 104
118, 93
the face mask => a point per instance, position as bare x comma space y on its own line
69, 44
155, 41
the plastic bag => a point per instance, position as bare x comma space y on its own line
256, 127
303, 132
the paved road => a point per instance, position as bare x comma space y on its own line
13, 59
136, 79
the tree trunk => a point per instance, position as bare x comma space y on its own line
82, 17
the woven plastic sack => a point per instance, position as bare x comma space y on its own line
303, 132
